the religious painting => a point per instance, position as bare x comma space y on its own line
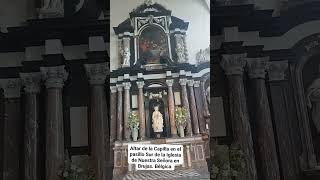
152, 45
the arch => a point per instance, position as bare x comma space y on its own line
296, 71
292, 37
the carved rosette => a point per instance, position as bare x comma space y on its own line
97, 73
11, 87
233, 64
31, 82
54, 76
276, 70
257, 67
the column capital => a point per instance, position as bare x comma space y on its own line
31, 82
54, 76
126, 85
196, 84
97, 73
257, 67
276, 70
119, 87
113, 89
11, 87
140, 84
190, 83
183, 82
233, 64
169, 82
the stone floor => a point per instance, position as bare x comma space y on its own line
189, 174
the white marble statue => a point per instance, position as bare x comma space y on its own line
313, 102
125, 57
157, 120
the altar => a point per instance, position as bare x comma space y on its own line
154, 78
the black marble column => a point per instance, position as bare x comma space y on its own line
31, 81
12, 132
193, 107
185, 103
97, 74
233, 64
265, 146
54, 81
120, 113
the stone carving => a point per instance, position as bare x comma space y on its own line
276, 70
52, 9
180, 48
203, 56
233, 64
97, 73
157, 120
11, 87
257, 67
148, 2
125, 52
313, 102
31, 81
54, 76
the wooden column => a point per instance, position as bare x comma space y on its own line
267, 163
173, 127
54, 78
31, 81
193, 107
126, 110
233, 65
113, 113
12, 129
120, 113
142, 117
200, 107
98, 116
185, 103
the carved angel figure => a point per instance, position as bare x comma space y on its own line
125, 57
313, 102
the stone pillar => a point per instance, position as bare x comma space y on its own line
185, 103
126, 110
54, 80
233, 65
12, 129
142, 117
173, 127
97, 74
31, 81
267, 163
120, 113
200, 107
193, 107
113, 113
204, 98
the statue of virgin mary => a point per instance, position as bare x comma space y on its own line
157, 120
